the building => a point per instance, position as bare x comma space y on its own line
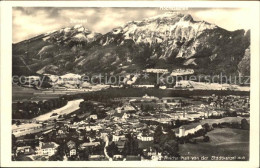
125, 108
47, 149
118, 137
93, 116
116, 157
96, 157
72, 148
62, 130
202, 106
149, 97
125, 116
179, 72
143, 86
145, 137
88, 144
151, 70
26, 150
183, 132
93, 127
119, 116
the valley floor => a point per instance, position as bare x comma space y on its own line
226, 142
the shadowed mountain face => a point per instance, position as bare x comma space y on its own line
171, 41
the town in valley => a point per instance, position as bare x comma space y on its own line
131, 123
165, 86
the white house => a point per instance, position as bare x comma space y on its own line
125, 116
118, 156
118, 137
93, 116
47, 149
73, 152
72, 148
93, 127
118, 109
25, 150
183, 132
125, 108
143, 137
202, 106
103, 135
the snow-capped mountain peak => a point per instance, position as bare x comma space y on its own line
77, 33
158, 29
173, 39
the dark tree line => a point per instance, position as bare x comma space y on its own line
29, 110
242, 125
88, 106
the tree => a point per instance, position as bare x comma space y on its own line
112, 149
244, 124
214, 125
92, 133
18, 122
171, 135
157, 134
206, 139
177, 123
131, 146
14, 143
170, 148
29, 136
206, 127
58, 155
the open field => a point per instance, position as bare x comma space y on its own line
212, 121
29, 94
225, 142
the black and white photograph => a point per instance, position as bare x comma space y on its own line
140, 84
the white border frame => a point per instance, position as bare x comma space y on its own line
6, 89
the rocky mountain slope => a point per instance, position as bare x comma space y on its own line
171, 41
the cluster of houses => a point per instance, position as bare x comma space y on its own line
236, 103
47, 149
92, 132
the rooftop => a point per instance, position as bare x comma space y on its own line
49, 145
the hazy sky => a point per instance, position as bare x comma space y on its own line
31, 21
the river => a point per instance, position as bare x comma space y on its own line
71, 106
33, 127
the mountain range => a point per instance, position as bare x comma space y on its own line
169, 41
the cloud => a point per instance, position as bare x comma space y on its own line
230, 19
31, 21
27, 24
